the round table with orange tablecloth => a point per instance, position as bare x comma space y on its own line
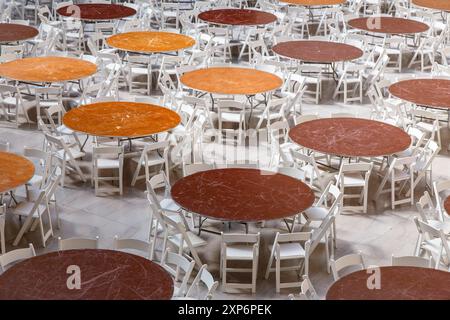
443, 5
231, 81
150, 41
47, 69
15, 171
121, 119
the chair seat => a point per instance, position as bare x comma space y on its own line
62, 129
196, 241
24, 208
169, 204
290, 251
425, 126
231, 117
440, 225
35, 180
316, 213
353, 179
239, 252
75, 153
434, 246
108, 163
153, 159
400, 175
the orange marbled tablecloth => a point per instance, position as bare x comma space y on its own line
230, 80
47, 69
121, 119
15, 171
443, 5
150, 41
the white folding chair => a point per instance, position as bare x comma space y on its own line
13, 256
151, 157
107, 158
354, 260
239, 247
412, 261
355, 175
204, 278
307, 291
174, 263
133, 245
77, 243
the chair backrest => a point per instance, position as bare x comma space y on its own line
412, 261
308, 163
307, 291
425, 157
44, 161
203, 277
350, 260
432, 233
77, 243
180, 230
107, 152
234, 238
292, 172
417, 136
16, 255
438, 188
365, 168
342, 115
291, 237
426, 207
319, 234
133, 244
189, 169
158, 181
178, 262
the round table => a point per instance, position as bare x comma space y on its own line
237, 17
447, 205
396, 283
232, 81
242, 195
314, 3
12, 32
105, 275
433, 93
121, 119
96, 11
150, 41
350, 137
443, 5
317, 51
388, 25
47, 69
14, 171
